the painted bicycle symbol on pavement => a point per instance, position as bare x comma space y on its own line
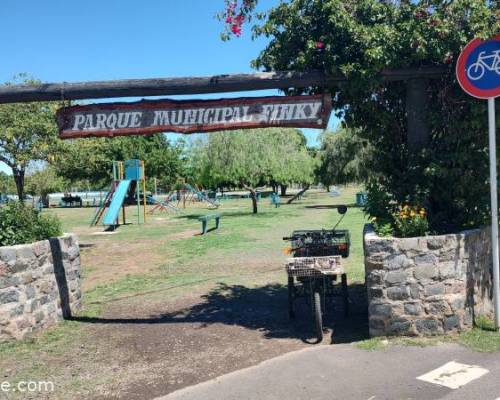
478, 68
485, 62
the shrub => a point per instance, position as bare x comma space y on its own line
21, 224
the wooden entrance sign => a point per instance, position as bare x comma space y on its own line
147, 117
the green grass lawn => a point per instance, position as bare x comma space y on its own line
235, 249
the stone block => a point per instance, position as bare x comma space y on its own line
30, 292
375, 292
415, 291
41, 248
457, 303
400, 326
397, 293
413, 308
9, 281
26, 252
425, 259
31, 305
398, 261
427, 326
26, 277
434, 289
377, 324
395, 277
436, 242
438, 308
425, 271
375, 278
451, 323
380, 310
407, 244
8, 296
8, 255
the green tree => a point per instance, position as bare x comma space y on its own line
7, 184
343, 156
45, 181
27, 133
248, 158
91, 160
360, 38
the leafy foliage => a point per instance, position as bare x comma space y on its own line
359, 38
45, 181
22, 224
252, 157
27, 133
7, 184
90, 160
343, 157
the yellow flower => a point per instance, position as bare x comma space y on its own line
412, 213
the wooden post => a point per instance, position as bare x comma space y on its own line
416, 113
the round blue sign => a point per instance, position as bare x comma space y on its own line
478, 68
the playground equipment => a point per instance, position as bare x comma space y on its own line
128, 181
190, 194
164, 206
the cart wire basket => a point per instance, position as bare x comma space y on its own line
314, 266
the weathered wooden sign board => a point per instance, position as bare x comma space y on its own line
152, 116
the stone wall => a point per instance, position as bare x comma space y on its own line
39, 284
427, 285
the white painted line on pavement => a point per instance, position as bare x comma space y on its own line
454, 375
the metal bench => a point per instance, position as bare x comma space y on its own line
204, 220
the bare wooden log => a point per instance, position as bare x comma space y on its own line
297, 195
192, 85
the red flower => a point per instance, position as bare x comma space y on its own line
320, 45
239, 19
236, 29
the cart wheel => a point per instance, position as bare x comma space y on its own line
318, 318
345, 294
291, 297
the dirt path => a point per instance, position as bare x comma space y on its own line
155, 347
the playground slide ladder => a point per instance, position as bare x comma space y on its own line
102, 207
119, 196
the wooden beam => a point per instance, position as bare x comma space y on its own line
192, 85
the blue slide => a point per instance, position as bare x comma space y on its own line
116, 203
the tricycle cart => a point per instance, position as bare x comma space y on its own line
315, 268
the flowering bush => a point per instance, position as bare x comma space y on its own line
407, 222
410, 222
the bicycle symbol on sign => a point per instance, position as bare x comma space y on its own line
484, 62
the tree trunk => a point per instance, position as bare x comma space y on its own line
283, 189
327, 188
253, 196
19, 179
298, 194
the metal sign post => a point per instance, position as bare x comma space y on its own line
478, 72
494, 208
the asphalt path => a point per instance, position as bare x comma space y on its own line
345, 372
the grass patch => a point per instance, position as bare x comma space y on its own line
381, 343
483, 337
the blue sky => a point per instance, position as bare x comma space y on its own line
60, 40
